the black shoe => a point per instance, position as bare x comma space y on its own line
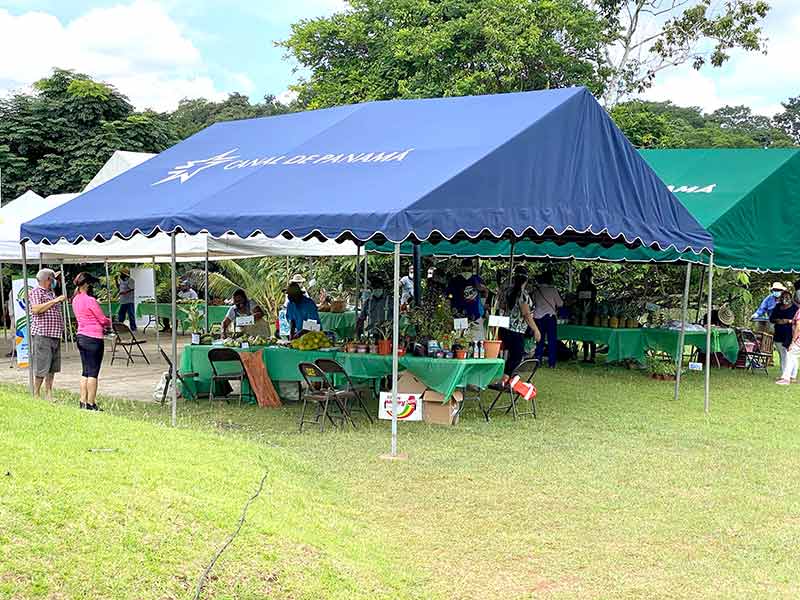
94, 407
83, 405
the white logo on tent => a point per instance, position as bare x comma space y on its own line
692, 189
191, 168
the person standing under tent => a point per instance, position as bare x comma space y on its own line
792, 353
781, 318
377, 309
301, 309
585, 308
242, 307
467, 293
518, 304
126, 285
547, 301
764, 310
47, 327
407, 288
186, 292
92, 323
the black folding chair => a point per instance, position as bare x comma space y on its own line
125, 339
755, 356
324, 395
331, 368
226, 356
529, 366
181, 376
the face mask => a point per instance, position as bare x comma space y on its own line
466, 274
53, 284
776, 294
377, 293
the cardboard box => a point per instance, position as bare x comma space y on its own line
438, 412
407, 383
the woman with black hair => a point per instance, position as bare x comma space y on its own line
91, 325
518, 305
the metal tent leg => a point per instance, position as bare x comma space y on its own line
174, 327
707, 401
395, 344
682, 336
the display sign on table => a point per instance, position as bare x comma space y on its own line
245, 320
409, 407
310, 325
499, 321
21, 337
460, 324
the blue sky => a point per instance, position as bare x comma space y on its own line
158, 52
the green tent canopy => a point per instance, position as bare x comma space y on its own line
747, 198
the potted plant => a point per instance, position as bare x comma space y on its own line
362, 346
613, 318
460, 345
384, 336
659, 368
194, 317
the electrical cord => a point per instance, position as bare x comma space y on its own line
201, 582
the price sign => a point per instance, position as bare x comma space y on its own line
499, 321
460, 324
310, 325
245, 321
245, 345
695, 366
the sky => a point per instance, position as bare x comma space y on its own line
158, 52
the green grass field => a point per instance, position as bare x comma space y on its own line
616, 491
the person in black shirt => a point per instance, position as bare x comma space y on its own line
781, 317
585, 308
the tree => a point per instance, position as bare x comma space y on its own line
55, 139
382, 49
789, 120
192, 115
654, 35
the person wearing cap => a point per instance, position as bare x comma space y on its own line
519, 308
47, 327
242, 307
782, 316
467, 293
126, 284
767, 305
378, 308
301, 308
92, 324
185, 291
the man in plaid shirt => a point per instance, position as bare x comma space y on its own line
47, 327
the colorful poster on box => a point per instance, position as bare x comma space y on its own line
21, 337
409, 407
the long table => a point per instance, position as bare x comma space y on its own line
632, 344
440, 374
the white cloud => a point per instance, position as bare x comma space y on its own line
136, 47
755, 80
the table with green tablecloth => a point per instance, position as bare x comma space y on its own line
632, 344
440, 374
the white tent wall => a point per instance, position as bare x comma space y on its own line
119, 162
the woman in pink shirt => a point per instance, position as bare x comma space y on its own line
91, 326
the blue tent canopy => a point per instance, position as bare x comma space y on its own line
547, 165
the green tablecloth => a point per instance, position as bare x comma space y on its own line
342, 324
442, 375
632, 343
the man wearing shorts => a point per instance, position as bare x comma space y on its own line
47, 327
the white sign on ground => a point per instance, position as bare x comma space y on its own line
21, 337
409, 407
142, 290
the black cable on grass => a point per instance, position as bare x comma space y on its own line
231, 537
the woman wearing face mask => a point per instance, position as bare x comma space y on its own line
767, 305
467, 293
519, 306
91, 326
782, 316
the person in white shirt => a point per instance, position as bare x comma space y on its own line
407, 288
547, 301
185, 291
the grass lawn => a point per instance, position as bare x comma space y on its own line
616, 491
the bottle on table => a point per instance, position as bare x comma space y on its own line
482, 353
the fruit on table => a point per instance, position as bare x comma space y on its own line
313, 340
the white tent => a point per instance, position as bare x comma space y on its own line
119, 162
12, 215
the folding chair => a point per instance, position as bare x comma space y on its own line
321, 392
531, 364
351, 392
755, 357
125, 339
217, 356
178, 374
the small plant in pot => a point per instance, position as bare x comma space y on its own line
460, 345
659, 368
383, 333
194, 319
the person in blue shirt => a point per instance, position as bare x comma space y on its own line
764, 311
467, 292
300, 308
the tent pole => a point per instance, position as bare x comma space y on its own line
205, 285
155, 296
569, 275
358, 279
417, 261
682, 336
67, 318
174, 327
27, 317
700, 294
706, 404
3, 304
108, 292
395, 344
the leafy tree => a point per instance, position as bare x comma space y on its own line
192, 115
55, 139
789, 119
382, 49
654, 35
